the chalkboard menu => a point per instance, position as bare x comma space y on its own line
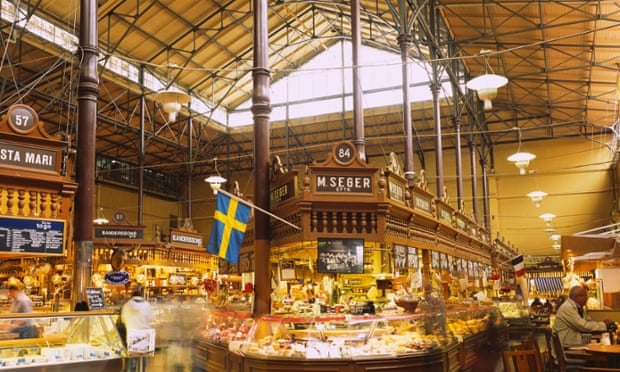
96, 301
28, 235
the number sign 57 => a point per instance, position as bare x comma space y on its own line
22, 118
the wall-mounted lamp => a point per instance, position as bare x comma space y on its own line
547, 217
537, 197
215, 181
486, 85
171, 102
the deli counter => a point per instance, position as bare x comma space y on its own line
230, 341
68, 341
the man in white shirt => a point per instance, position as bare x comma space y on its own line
136, 313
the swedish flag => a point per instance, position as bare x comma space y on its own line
229, 224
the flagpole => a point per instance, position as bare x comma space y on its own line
258, 208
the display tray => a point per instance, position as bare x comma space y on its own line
38, 341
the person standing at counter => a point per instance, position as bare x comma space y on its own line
571, 322
20, 303
137, 313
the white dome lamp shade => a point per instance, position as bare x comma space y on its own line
521, 160
486, 86
171, 102
216, 180
537, 197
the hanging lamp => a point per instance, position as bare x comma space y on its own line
486, 85
521, 159
171, 102
216, 180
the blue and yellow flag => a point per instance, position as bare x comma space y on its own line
229, 223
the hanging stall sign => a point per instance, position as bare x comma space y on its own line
120, 277
186, 239
119, 232
27, 235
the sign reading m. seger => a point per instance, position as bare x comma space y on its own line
344, 184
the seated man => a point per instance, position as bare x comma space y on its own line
571, 322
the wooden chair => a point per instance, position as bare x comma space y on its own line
560, 359
522, 361
532, 344
552, 365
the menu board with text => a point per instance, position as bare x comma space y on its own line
30, 235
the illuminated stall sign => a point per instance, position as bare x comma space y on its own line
118, 233
26, 235
187, 239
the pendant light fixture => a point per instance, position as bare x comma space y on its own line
537, 197
171, 102
521, 159
486, 85
547, 217
216, 180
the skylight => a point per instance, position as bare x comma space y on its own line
324, 85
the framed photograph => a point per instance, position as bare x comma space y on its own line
434, 260
287, 270
177, 279
345, 256
443, 261
412, 257
400, 256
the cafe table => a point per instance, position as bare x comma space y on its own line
611, 352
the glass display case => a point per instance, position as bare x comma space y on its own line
337, 336
466, 322
444, 340
60, 339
